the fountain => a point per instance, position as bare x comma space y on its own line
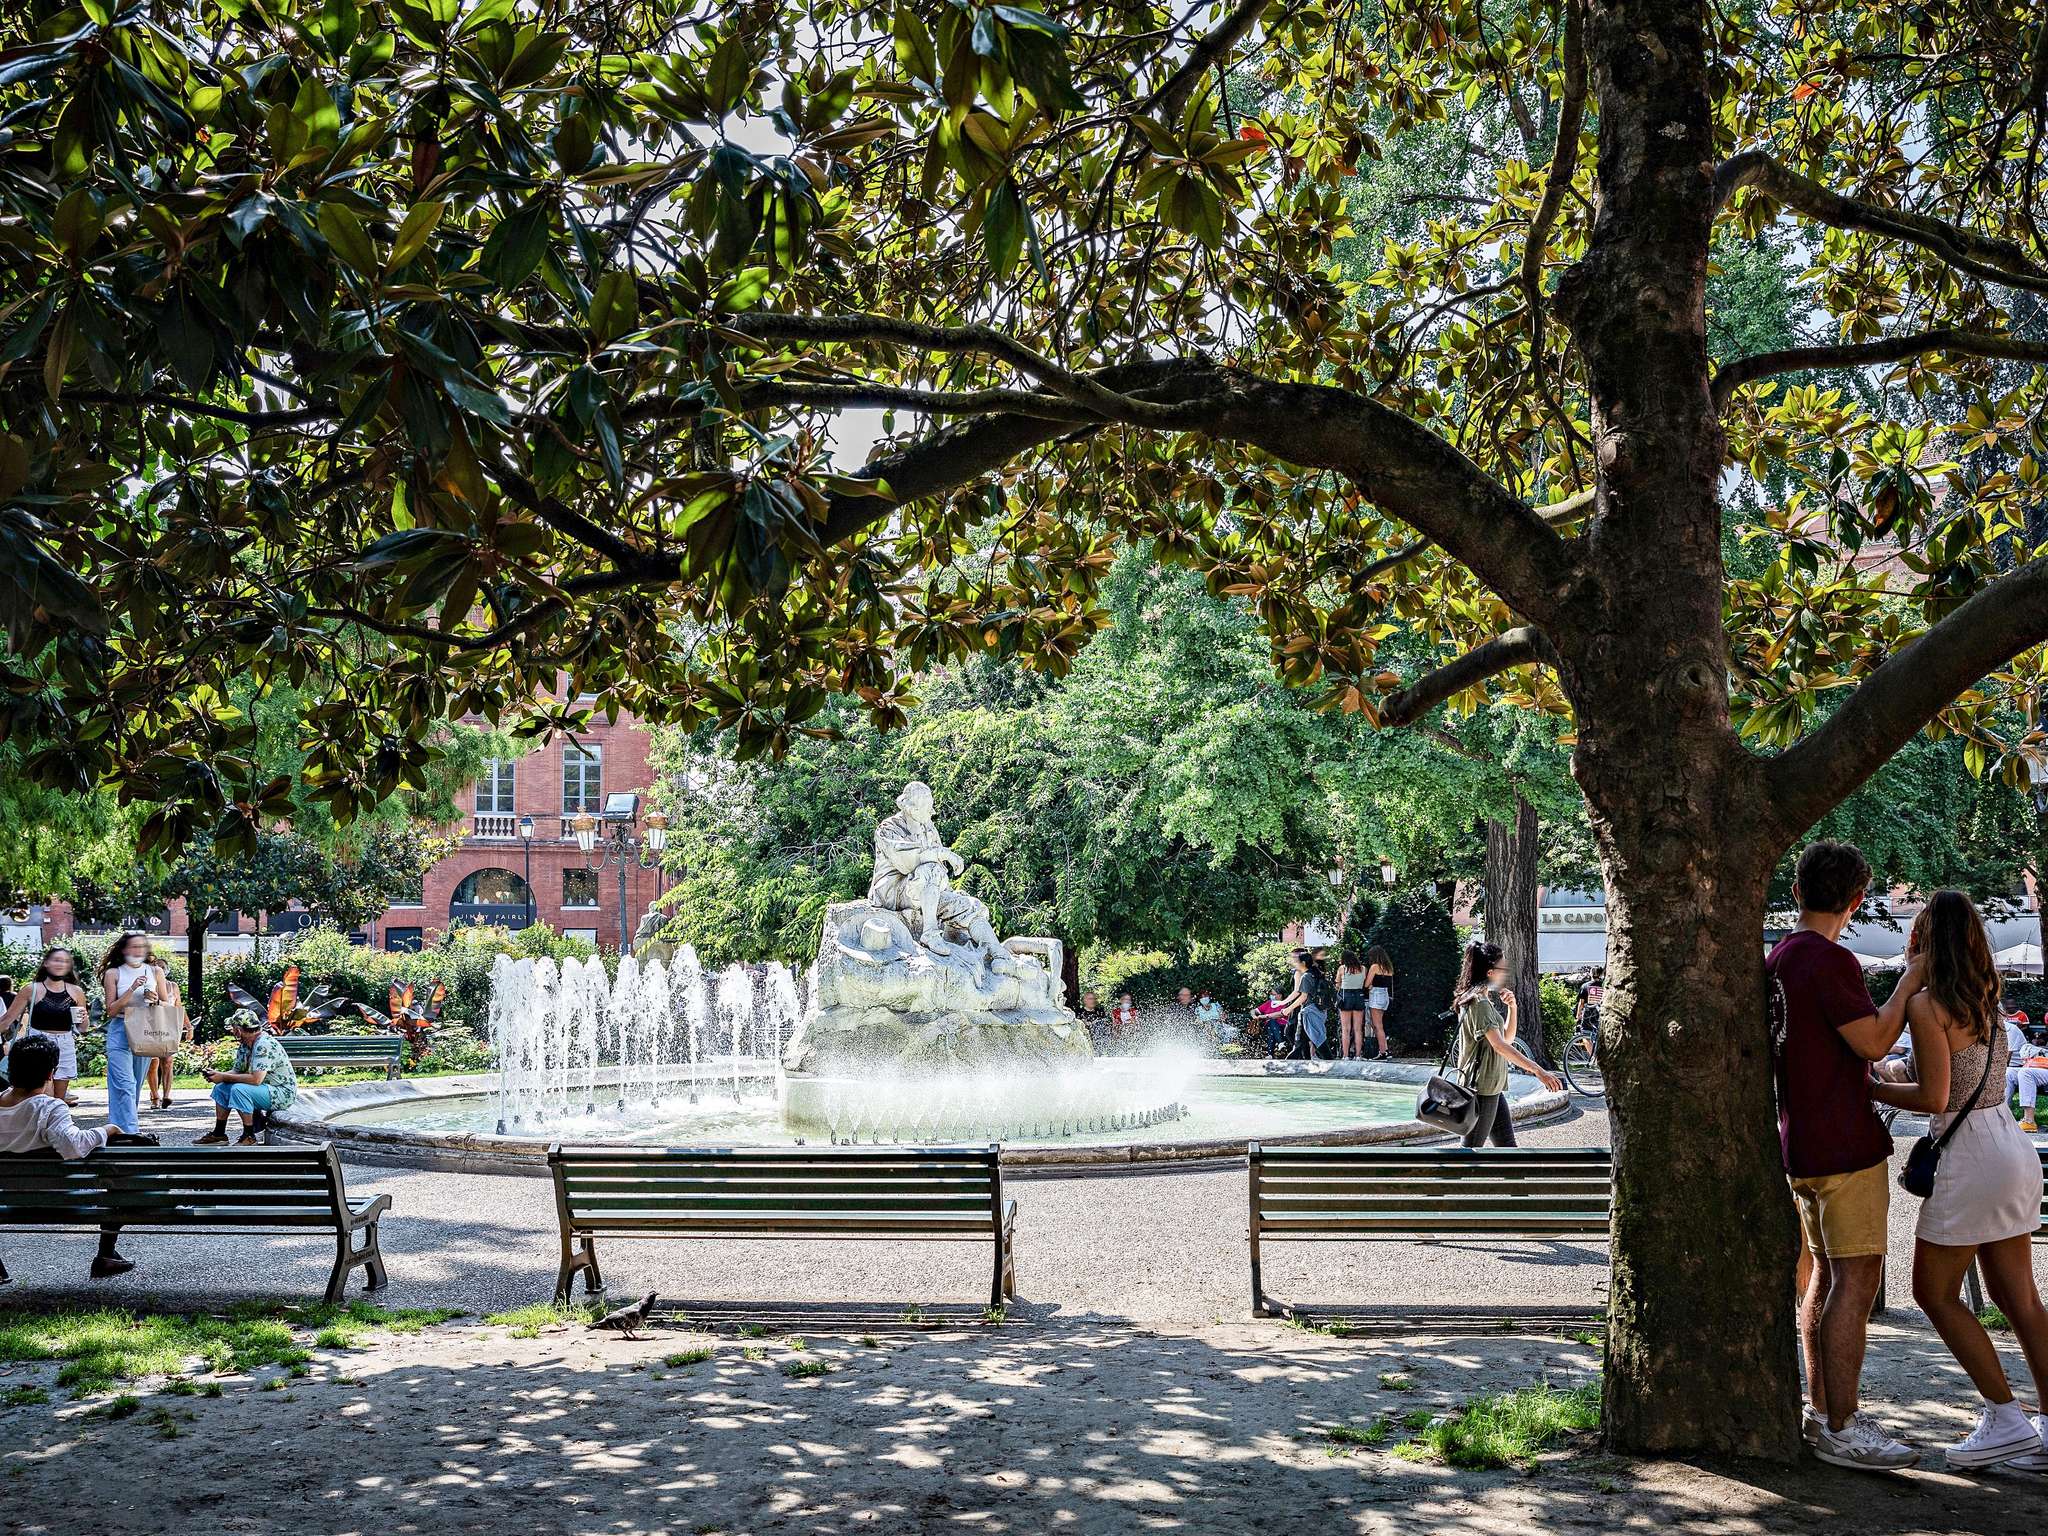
915, 1024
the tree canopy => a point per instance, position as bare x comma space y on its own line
442, 358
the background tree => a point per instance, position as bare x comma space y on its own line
434, 356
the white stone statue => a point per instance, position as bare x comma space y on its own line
912, 864
915, 974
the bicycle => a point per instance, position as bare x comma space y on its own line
1581, 1062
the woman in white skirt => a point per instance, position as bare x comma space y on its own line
1986, 1203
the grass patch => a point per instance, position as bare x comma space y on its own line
869, 1341
527, 1322
24, 1396
1358, 1434
912, 1315
126, 1406
1393, 1381
1994, 1319
994, 1314
753, 1330
753, 1352
683, 1357
101, 1348
1334, 1328
804, 1370
1510, 1429
1588, 1339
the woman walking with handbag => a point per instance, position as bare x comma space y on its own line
1978, 1176
157, 1079
129, 981
1486, 1043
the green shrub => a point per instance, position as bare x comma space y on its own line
1265, 969
1418, 935
1558, 1002
1154, 976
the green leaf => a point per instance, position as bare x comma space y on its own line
914, 50
338, 25
1002, 229
613, 305
414, 233
351, 242
575, 143
515, 247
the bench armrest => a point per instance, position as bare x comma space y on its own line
369, 1213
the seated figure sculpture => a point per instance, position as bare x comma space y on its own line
915, 975
911, 877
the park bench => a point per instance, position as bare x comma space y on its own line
385, 1051
221, 1191
1332, 1193
1973, 1286
924, 1193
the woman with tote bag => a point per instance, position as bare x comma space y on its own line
129, 982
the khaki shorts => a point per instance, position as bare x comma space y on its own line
1846, 1215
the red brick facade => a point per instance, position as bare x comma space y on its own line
491, 843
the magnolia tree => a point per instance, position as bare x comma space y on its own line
437, 356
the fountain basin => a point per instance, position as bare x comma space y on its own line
450, 1122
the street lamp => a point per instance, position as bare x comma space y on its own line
621, 848
1387, 875
2037, 773
526, 837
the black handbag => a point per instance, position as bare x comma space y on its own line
1445, 1102
1923, 1161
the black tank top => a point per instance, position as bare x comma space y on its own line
51, 1013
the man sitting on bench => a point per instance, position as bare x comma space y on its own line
31, 1118
260, 1082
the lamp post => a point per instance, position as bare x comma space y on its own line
526, 837
608, 840
1387, 872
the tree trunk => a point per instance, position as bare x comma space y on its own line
1700, 1354
1511, 917
196, 924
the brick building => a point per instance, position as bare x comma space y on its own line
519, 861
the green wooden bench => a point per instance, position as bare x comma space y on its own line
221, 1191
1973, 1286
929, 1193
1330, 1193
386, 1051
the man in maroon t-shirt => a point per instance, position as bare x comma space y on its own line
1825, 1032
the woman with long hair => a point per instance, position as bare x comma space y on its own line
1986, 1202
1351, 1006
1486, 1010
128, 980
157, 1075
1307, 1009
1379, 995
53, 1005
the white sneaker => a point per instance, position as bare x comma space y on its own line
1862, 1445
1810, 1424
1998, 1437
2035, 1460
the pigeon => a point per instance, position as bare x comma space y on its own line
628, 1320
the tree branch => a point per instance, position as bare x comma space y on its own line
1886, 349
1894, 702
1208, 53
1564, 159
1511, 648
1982, 256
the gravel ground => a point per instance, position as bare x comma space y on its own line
1126, 1390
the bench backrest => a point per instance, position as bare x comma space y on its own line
343, 1047
794, 1191
1360, 1191
143, 1186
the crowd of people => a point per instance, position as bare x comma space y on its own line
1976, 1172
40, 1028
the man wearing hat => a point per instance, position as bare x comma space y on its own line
261, 1079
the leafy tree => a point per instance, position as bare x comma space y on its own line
431, 356
283, 868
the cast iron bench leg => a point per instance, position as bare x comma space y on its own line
574, 1263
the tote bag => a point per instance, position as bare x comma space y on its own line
154, 1029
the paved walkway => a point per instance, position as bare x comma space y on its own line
1128, 1391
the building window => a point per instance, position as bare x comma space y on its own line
403, 940
582, 779
579, 888
490, 888
495, 786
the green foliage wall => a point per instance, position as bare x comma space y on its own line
1418, 935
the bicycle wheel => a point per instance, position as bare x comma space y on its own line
1582, 1068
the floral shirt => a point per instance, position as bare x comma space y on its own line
266, 1055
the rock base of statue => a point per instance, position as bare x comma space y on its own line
886, 1004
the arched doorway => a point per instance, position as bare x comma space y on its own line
495, 896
